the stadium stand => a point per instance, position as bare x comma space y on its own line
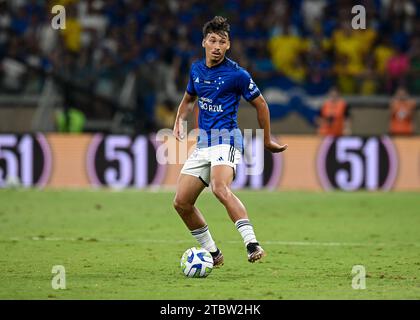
124, 64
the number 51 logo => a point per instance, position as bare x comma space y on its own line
25, 160
353, 163
120, 161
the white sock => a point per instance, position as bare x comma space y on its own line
246, 230
204, 238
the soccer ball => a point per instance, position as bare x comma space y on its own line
196, 263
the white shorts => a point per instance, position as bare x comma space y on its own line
201, 160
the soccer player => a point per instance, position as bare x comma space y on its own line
218, 83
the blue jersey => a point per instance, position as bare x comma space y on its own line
219, 90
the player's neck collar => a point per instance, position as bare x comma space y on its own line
217, 65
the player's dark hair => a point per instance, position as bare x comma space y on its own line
217, 25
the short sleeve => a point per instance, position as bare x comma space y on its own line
247, 87
190, 86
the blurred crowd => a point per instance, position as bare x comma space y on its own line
309, 42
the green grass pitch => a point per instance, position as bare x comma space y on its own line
128, 245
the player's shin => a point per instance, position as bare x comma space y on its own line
246, 230
204, 238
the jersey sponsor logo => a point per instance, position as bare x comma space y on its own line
204, 99
210, 107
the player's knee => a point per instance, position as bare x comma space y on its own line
221, 191
181, 205
178, 205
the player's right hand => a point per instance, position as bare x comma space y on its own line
178, 130
274, 147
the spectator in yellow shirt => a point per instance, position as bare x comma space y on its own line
285, 50
73, 31
348, 50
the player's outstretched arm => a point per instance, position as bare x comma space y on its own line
263, 114
185, 107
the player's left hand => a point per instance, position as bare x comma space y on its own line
274, 147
